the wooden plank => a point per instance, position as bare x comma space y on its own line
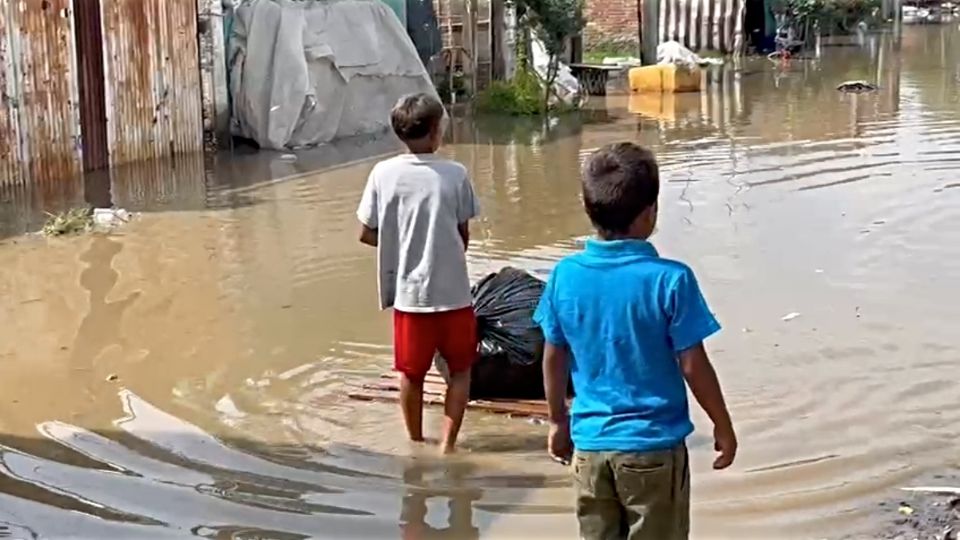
537, 409
386, 389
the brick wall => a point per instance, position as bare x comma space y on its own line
612, 23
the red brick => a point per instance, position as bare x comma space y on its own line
612, 23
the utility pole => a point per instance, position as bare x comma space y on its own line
649, 26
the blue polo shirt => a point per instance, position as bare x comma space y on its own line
625, 314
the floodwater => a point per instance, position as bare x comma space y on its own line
187, 375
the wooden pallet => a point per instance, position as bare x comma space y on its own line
387, 389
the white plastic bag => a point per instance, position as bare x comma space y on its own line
672, 52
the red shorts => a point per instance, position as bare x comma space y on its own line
418, 336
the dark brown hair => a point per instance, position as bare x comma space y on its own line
415, 117
620, 181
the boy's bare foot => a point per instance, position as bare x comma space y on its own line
448, 449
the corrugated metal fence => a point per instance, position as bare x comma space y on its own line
149, 101
153, 78
704, 24
39, 117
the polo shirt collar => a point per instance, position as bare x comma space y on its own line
619, 248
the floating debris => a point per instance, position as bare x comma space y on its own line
113, 377
110, 217
790, 316
856, 87
906, 509
942, 490
73, 221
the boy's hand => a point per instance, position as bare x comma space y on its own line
558, 442
725, 442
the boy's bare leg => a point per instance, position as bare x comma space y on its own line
411, 402
458, 394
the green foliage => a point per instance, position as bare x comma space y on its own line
519, 97
73, 221
553, 22
831, 16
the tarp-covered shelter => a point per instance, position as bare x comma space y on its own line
303, 73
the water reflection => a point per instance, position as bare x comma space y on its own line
100, 328
416, 519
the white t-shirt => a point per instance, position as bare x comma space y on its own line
416, 203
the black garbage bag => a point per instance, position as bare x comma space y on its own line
510, 355
510, 352
504, 304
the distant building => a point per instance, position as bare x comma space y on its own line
698, 24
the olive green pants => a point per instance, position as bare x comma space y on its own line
641, 496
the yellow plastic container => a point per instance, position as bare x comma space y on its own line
664, 78
678, 80
646, 79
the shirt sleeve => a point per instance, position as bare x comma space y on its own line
546, 315
467, 205
368, 212
691, 321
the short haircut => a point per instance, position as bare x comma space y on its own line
620, 181
415, 116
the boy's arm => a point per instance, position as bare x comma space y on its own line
703, 382
467, 209
556, 377
556, 373
368, 211
464, 229
368, 236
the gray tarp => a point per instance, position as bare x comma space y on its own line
303, 73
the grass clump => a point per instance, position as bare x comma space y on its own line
596, 52
519, 97
73, 221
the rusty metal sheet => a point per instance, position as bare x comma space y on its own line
39, 115
9, 134
153, 90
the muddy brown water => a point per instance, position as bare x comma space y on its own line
236, 312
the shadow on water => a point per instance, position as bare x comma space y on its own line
153, 475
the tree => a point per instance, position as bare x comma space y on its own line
554, 23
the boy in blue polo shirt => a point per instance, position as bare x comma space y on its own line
628, 326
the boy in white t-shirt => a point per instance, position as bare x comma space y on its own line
416, 211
